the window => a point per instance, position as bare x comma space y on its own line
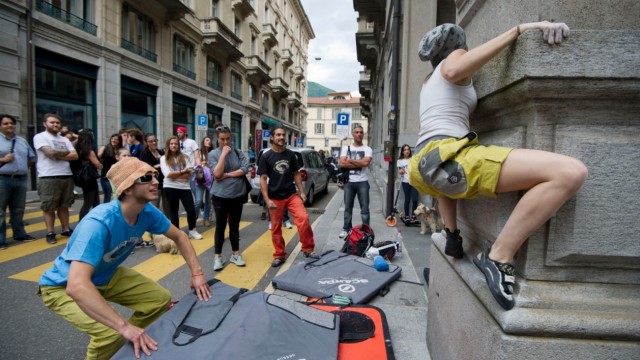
253, 93
339, 97
77, 13
356, 114
183, 57
355, 125
138, 33
236, 130
334, 113
236, 26
333, 128
236, 86
253, 44
265, 102
319, 113
266, 14
214, 74
319, 129
276, 108
215, 8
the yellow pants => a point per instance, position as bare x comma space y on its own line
128, 288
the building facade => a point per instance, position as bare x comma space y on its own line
577, 285
156, 65
322, 121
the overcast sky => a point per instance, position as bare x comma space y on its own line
334, 23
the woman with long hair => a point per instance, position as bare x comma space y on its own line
151, 155
87, 155
410, 193
228, 194
107, 155
203, 201
177, 171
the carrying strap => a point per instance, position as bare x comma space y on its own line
13, 145
217, 314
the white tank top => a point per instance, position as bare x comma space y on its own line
445, 107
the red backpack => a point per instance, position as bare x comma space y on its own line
358, 240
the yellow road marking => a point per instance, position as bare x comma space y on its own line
42, 226
32, 274
27, 216
163, 264
25, 249
258, 257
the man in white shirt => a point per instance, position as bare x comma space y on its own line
357, 158
188, 146
55, 184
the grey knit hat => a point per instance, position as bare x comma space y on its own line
441, 41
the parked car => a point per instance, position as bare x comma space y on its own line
314, 175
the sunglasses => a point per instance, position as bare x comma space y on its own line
145, 179
222, 128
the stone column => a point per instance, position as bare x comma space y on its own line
578, 277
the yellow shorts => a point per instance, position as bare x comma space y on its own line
457, 168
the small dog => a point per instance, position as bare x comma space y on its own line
427, 216
164, 244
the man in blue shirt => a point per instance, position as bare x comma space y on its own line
88, 273
15, 158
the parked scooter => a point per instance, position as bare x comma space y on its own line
332, 169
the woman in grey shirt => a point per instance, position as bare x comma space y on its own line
228, 194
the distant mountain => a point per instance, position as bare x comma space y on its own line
317, 90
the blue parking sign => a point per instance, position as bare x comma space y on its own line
343, 119
266, 133
203, 121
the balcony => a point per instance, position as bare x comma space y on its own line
64, 16
294, 99
298, 72
365, 105
366, 44
214, 85
138, 50
373, 10
257, 70
279, 87
182, 71
269, 35
287, 58
219, 40
176, 9
243, 7
365, 84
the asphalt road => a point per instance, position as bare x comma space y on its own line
28, 330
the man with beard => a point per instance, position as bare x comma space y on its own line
281, 167
88, 273
55, 185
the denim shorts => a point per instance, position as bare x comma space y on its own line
457, 168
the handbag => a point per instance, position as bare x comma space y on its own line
85, 174
343, 174
247, 184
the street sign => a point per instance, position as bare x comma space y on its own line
343, 126
343, 119
203, 122
299, 142
266, 133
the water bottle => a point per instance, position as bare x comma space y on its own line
399, 242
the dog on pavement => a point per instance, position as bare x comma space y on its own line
165, 245
427, 216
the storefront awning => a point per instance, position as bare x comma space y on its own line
271, 122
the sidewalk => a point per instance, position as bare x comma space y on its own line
405, 306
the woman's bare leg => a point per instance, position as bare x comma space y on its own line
550, 180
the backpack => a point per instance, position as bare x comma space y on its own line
358, 240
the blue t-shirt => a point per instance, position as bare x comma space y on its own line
103, 239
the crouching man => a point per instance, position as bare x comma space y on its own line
87, 273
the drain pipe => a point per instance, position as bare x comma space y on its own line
393, 110
31, 122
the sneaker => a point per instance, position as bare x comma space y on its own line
454, 243
67, 232
269, 225
288, 225
51, 238
500, 278
310, 254
144, 244
217, 264
237, 259
194, 234
343, 234
277, 262
26, 238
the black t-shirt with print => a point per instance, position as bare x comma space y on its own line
279, 168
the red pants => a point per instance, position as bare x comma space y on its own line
300, 218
